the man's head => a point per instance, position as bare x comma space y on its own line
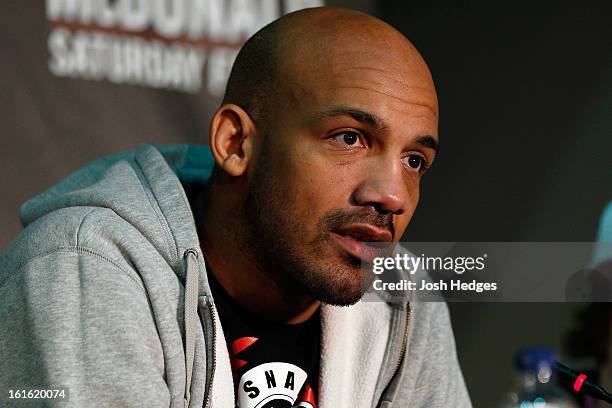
328, 123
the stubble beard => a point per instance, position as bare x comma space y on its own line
274, 229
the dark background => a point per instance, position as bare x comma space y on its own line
526, 140
526, 119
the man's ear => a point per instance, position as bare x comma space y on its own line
232, 134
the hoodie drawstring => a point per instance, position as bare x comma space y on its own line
191, 316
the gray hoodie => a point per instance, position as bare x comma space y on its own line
105, 294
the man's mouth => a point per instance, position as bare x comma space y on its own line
363, 241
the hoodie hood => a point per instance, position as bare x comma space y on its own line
152, 208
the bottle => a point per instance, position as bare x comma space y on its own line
535, 385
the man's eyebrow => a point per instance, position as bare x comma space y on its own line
429, 141
369, 119
359, 115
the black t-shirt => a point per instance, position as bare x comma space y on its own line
274, 365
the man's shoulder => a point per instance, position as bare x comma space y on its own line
95, 231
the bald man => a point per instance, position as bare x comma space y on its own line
230, 275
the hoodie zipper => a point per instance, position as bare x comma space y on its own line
404, 343
213, 319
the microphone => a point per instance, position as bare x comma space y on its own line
580, 384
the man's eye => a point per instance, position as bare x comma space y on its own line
349, 139
415, 162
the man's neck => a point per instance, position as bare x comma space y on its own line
261, 291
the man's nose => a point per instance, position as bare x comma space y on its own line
384, 188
